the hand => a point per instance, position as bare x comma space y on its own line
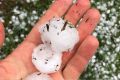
18, 64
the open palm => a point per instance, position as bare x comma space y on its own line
18, 64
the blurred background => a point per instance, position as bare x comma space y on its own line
19, 16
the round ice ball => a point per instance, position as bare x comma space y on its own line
45, 60
59, 34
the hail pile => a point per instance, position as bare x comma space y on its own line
58, 36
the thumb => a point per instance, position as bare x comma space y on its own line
2, 34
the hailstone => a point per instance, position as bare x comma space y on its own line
59, 34
45, 60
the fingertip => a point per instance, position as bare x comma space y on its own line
92, 41
77, 10
93, 13
88, 23
60, 6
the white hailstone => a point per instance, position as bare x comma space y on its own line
103, 7
26, 29
16, 11
36, 17
103, 63
93, 59
16, 21
119, 22
101, 52
103, 15
34, 12
7, 39
23, 24
22, 35
118, 39
113, 10
59, 35
9, 30
108, 11
38, 76
29, 21
119, 75
32, 18
113, 45
16, 40
113, 67
108, 42
95, 34
108, 53
28, 1
10, 22
102, 69
32, 23
99, 27
45, 60
115, 77
13, 18
117, 49
22, 15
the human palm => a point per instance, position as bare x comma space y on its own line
18, 64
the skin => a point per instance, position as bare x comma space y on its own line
2, 34
18, 64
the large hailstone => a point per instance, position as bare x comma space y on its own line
59, 35
45, 60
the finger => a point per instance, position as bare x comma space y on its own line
86, 27
83, 55
2, 34
58, 8
77, 11
88, 23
